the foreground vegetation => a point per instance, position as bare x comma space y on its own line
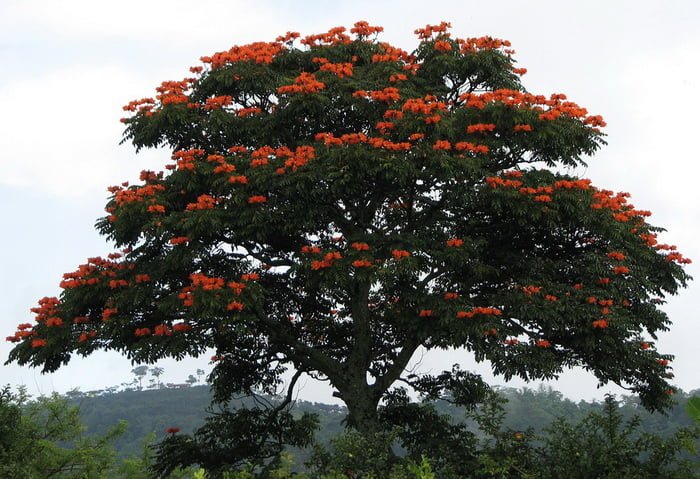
517, 437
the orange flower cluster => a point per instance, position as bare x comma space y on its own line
239, 179
397, 77
178, 240
522, 127
205, 282
218, 102
530, 290
472, 45
393, 114
181, 327
454, 242
425, 313
360, 246
511, 342
600, 323
118, 283
162, 330
621, 270
257, 52
442, 145
400, 253
142, 332
450, 296
543, 343
107, 313
310, 249
204, 202
143, 105
173, 92
327, 261
246, 112
496, 181
429, 106
487, 311
678, 258
84, 336
481, 128
428, 31
250, 277
304, 83
23, 331
334, 36
186, 296
391, 54
38, 343
361, 263
549, 297
156, 209
235, 306
340, 70
550, 109
355, 138
471, 147
186, 158
135, 194
388, 94
256, 199
236, 287
364, 29
442, 46
384, 126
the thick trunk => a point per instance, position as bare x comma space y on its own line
362, 402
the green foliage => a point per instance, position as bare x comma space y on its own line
693, 408
605, 446
44, 439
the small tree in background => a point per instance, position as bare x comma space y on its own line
157, 372
140, 372
332, 207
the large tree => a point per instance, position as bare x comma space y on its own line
332, 207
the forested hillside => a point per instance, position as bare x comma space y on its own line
185, 408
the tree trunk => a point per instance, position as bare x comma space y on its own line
362, 402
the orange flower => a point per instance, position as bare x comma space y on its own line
450, 296
454, 242
400, 253
360, 246
600, 324
257, 199
38, 343
424, 313
235, 306
530, 290
162, 330
543, 343
442, 145
481, 128
361, 263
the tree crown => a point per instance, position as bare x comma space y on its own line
336, 205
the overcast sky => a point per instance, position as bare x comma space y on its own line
69, 66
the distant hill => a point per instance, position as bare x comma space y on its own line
156, 410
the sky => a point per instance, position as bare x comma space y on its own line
69, 66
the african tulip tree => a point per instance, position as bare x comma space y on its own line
333, 206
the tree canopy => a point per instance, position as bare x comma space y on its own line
335, 203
